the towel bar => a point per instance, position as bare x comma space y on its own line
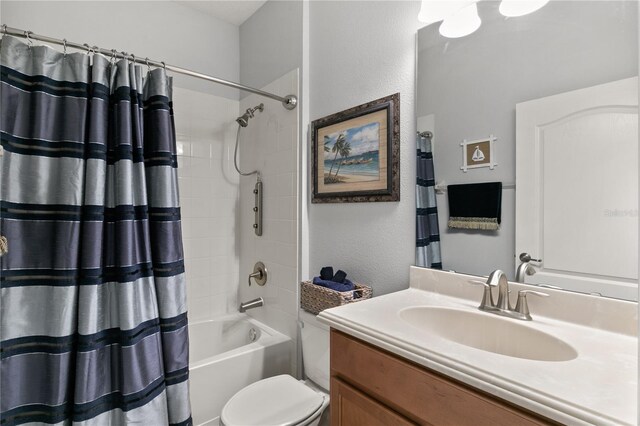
441, 187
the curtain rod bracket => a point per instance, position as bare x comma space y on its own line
290, 102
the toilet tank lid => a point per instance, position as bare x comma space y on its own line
278, 401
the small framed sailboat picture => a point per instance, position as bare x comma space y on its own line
478, 153
356, 153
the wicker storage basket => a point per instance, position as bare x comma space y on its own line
315, 298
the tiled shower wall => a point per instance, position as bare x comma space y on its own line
209, 188
270, 144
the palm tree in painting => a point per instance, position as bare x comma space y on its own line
345, 151
327, 141
327, 148
337, 147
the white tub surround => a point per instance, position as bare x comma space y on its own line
270, 144
598, 386
209, 191
227, 354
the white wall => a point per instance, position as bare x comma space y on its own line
271, 43
161, 30
360, 52
270, 144
471, 86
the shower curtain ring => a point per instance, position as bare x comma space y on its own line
4, 29
27, 34
133, 58
114, 52
164, 66
146, 60
64, 47
90, 49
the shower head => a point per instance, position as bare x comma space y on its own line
243, 120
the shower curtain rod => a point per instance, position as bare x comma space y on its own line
289, 101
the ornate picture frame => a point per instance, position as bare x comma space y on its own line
356, 153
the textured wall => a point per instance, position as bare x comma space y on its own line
161, 30
359, 53
270, 43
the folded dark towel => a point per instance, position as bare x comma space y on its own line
326, 273
339, 277
475, 206
346, 286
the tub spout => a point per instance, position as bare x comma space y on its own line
255, 303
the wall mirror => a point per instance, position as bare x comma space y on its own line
557, 89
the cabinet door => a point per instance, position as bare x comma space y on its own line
411, 391
350, 407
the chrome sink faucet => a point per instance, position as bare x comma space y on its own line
499, 278
503, 306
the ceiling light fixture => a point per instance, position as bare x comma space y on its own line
461, 23
460, 17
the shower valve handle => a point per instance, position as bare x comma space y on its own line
259, 274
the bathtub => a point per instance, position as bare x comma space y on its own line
225, 355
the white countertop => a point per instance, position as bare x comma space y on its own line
598, 387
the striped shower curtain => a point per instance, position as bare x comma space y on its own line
93, 308
427, 231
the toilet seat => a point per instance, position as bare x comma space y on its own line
276, 401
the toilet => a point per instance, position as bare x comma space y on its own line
283, 400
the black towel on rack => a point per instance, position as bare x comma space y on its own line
475, 206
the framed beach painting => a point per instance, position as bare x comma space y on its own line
356, 153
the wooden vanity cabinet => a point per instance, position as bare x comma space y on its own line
370, 387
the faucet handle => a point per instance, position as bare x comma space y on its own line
487, 296
537, 293
522, 306
478, 282
256, 275
259, 274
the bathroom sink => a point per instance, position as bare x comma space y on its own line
489, 333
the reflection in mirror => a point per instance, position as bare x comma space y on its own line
558, 90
